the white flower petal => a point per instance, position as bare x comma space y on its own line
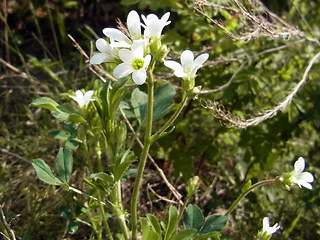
187, 58
299, 165
173, 65
201, 59
115, 34
134, 25
306, 177
126, 55
139, 76
122, 70
180, 74
137, 50
103, 46
165, 17
266, 224
121, 44
306, 185
100, 58
147, 60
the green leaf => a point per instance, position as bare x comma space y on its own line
46, 103
154, 223
72, 145
65, 212
193, 218
60, 134
125, 162
185, 234
44, 172
103, 177
139, 101
61, 116
64, 163
73, 227
214, 223
147, 233
172, 223
163, 101
73, 115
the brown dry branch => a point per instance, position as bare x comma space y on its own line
236, 122
161, 197
6, 225
94, 68
257, 19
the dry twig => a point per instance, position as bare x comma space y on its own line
236, 122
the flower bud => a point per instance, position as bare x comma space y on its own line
192, 186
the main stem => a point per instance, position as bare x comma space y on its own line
143, 157
244, 193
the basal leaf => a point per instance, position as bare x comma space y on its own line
172, 222
44, 172
214, 223
193, 218
185, 234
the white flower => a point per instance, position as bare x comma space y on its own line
153, 25
299, 177
82, 99
118, 38
107, 52
133, 62
134, 25
266, 227
189, 66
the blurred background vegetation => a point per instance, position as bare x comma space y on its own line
39, 59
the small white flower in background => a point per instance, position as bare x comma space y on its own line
107, 52
153, 26
134, 25
133, 62
82, 99
189, 66
299, 177
266, 227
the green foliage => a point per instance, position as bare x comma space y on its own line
163, 101
44, 172
64, 163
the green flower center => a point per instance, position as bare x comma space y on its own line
137, 64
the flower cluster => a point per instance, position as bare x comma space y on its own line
133, 51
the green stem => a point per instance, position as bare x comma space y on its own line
172, 118
143, 157
104, 219
118, 209
244, 193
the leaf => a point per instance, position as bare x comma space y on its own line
172, 222
214, 223
185, 234
61, 135
147, 233
73, 227
72, 145
154, 223
125, 162
65, 212
44, 172
139, 101
46, 103
163, 101
103, 177
193, 218
64, 163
